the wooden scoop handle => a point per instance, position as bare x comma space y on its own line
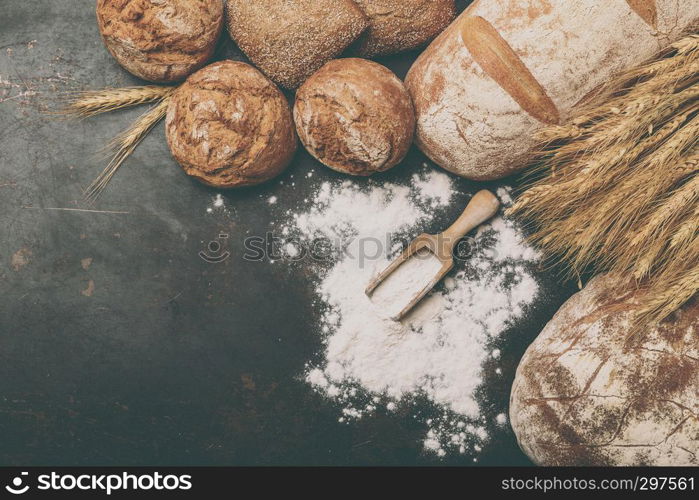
482, 207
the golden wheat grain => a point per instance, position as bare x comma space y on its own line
125, 144
660, 304
686, 231
617, 187
680, 199
94, 102
642, 102
601, 169
686, 44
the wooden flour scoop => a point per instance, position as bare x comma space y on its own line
482, 207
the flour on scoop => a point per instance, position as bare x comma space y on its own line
397, 290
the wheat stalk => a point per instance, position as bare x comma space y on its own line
686, 231
617, 187
662, 303
88, 103
124, 144
592, 172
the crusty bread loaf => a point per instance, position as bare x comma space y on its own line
355, 116
229, 126
160, 41
506, 68
290, 39
399, 25
585, 393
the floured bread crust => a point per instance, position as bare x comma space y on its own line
399, 25
583, 396
160, 40
355, 116
291, 39
229, 126
468, 119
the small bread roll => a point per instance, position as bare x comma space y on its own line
289, 40
399, 25
229, 126
160, 40
355, 116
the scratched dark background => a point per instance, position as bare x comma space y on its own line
119, 345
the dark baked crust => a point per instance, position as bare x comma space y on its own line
229, 126
355, 116
399, 25
160, 42
289, 40
588, 393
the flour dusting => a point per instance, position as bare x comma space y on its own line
218, 204
371, 363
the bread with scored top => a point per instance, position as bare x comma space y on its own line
589, 393
506, 68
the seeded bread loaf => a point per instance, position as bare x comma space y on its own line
355, 116
290, 39
160, 40
399, 25
506, 68
586, 393
229, 126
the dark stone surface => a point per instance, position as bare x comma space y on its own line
165, 358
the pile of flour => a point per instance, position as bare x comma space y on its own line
438, 350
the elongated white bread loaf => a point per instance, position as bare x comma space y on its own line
505, 68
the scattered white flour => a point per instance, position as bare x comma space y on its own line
437, 351
272, 200
505, 196
218, 204
434, 189
291, 250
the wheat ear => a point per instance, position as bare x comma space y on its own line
616, 188
675, 294
88, 103
124, 144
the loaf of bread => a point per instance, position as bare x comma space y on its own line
399, 25
506, 68
229, 126
160, 41
289, 40
588, 393
355, 116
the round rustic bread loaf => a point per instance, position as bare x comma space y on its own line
505, 69
229, 126
160, 40
399, 25
289, 40
583, 395
355, 116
